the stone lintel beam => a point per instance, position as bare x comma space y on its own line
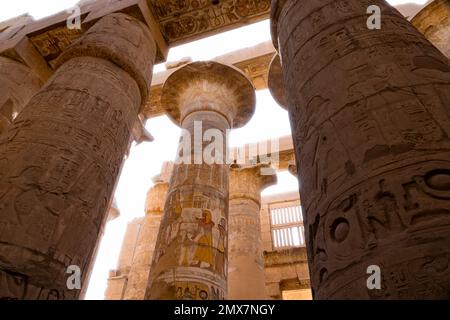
190, 260
281, 198
246, 280
280, 153
61, 158
41, 33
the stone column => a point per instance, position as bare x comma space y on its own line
145, 245
190, 260
370, 114
60, 160
433, 22
18, 84
113, 213
118, 278
246, 279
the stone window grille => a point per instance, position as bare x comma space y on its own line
287, 227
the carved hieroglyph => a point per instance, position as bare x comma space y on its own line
370, 114
145, 245
434, 23
60, 159
17, 85
190, 260
246, 279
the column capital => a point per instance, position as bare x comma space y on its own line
247, 181
156, 198
209, 86
122, 40
276, 82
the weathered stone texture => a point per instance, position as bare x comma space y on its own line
370, 113
246, 279
60, 159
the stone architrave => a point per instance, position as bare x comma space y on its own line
370, 115
190, 262
60, 159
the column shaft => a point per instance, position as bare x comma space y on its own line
370, 114
246, 278
190, 258
17, 85
60, 160
145, 245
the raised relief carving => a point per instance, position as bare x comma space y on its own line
181, 20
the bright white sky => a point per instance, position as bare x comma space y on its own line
146, 159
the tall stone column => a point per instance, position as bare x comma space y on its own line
113, 213
433, 22
60, 160
246, 279
145, 245
190, 260
370, 114
18, 84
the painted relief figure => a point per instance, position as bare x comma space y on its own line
187, 231
203, 256
221, 247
